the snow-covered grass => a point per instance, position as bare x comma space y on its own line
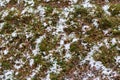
59, 40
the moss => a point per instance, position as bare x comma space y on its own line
7, 28
77, 49
115, 31
49, 9
53, 76
13, 2
74, 47
114, 9
6, 65
105, 23
106, 56
99, 11
108, 22
48, 43
80, 10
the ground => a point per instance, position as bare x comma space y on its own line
59, 40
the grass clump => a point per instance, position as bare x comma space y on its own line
48, 43
106, 56
77, 49
6, 64
108, 22
80, 10
114, 9
99, 11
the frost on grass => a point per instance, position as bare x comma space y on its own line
57, 40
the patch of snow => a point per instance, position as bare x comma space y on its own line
114, 41
95, 23
5, 52
61, 25
55, 68
117, 58
38, 41
27, 9
75, 39
105, 32
85, 28
30, 2
106, 0
14, 34
5, 13
41, 10
18, 64
97, 64
106, 43
117, 48
31, 62
49, 29
67, 56
34, 72
73, 1
47, 77
28, 35
2, 25
45, 24
4, 2
85, 78
87, 4
27, 55
8, 74
46, 0
67, 46
105, 8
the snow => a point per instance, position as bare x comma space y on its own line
75, 39
47, 77
61, 42
41, 10
97, 64
105, 8
28, 35
64, 14
30, 2
6, 52
2, 25
14, 34
4, 2
8, 74
45, 24
85, 28
18, 64
67, 56
61, 25
106, 43
31, 62
113, 41
38, 41
105, 32
27, 9
55, 68
67, 46
73, 1
34, 72
117, 58
5, 13
46, 0
95, 23
87, 4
